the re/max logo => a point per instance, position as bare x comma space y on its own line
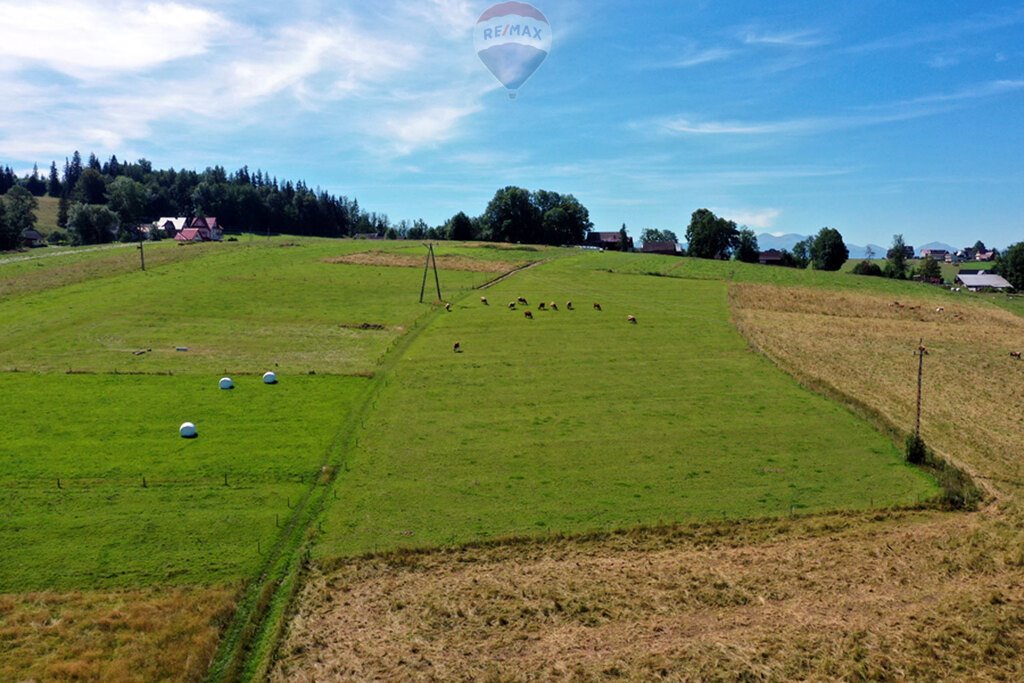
512, 30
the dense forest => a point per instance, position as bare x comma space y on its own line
103, 201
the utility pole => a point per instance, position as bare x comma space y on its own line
431, 260
437, 280
921, 353
142, 252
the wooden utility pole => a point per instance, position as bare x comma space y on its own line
431, 260
142, 253
437, 280
921, 353
426, 267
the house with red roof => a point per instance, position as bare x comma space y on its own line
200, 230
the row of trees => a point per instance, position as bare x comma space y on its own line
712, 237
255, 201
135, 192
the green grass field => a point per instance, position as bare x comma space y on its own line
242, 308
577, 420
573, 421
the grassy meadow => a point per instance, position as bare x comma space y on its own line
577, 420
97, 489
379, 436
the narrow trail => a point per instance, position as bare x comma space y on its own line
250, 640
502, 278
69, 252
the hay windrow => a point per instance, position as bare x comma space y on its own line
444, 262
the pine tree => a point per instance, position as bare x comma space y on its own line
94, 162
54, 187
73, 171
62, 210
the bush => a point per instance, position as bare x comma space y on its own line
958, 489
867, 268
917, 451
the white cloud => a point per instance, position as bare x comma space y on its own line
695, 57
759, 219
84, 39
783, 39
425, 127
891, 112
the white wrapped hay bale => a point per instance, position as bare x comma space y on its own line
188, 430
269, 378
226, 383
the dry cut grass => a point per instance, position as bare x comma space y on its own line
444, 262
863, 347
139, 635
911, 595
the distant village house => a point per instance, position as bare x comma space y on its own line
772, 257
608, 240
667, 248
32, 238
191, 229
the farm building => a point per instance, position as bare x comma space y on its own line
939, 255
200, 230
171, 226
32, 238
608, 240
772, 257
668, 248
983, 281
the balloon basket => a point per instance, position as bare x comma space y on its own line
512, 95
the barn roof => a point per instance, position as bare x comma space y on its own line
993, 281
661, 247
188, 235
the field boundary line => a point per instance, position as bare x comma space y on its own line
873, 416
250, 642
514, 271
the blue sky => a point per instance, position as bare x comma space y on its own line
870, 117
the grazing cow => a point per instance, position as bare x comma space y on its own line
448, 307
553, 306
457, 347
511, 305
597, 307
568, 304
1015, 354
484, 301
542, 307
940, 309
632, 319
528, 314
523, 301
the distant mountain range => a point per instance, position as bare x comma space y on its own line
787, 241
767, 241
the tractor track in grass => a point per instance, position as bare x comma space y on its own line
250, 641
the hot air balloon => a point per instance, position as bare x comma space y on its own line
512, 39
